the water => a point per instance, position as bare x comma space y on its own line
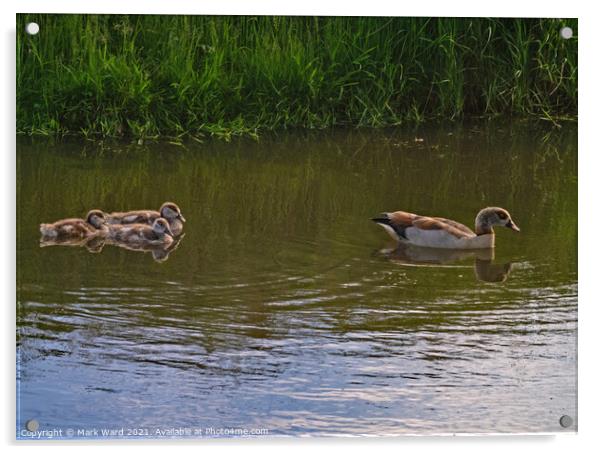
283, 310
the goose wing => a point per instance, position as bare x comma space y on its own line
452, 227
133, 217
456, 225
400, 221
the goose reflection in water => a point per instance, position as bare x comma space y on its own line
484, 268
95, 244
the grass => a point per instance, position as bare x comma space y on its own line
191, 76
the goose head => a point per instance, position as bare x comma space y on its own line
161, 227
490, 217
96, 219
171, 211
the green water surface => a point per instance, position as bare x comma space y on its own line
283, 309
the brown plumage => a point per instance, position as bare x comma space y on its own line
168, 210
456, 225
157, 234
94, 224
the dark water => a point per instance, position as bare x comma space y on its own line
281, 309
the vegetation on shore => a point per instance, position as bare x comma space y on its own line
190, 76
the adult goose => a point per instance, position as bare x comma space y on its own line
444, 233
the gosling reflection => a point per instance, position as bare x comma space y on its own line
159, 252
484, 268
92, 244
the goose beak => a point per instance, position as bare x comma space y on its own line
513, 226
181, 218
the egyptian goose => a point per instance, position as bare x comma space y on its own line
94, 224
168, 210
157, 234
444, 233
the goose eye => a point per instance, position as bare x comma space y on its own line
502, 215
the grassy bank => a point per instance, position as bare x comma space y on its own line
178, 76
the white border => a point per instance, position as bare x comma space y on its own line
507, 8
590, 221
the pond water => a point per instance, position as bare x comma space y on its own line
283, 309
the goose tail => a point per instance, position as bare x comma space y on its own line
47, 230
382, 218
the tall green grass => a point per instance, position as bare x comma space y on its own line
179, 76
